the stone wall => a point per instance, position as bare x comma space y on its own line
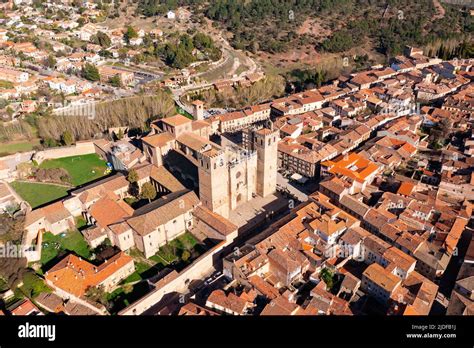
80, 148
200, 268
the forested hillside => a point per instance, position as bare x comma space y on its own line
272, 25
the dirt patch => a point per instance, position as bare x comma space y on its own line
304, 55
314, 28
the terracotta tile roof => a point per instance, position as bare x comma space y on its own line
75, 308
214, 220
120, 228
166, 210
399, 259
107, 211
158, 140
230, 301
75, 275
101, 188
383, 278
92, 233
406, 188
161, 175
354, 205
455, 234
280, 306
353, 166
354, 235
194, 141
54, 212
194, 309
263, 287
422, 294
334, 185
26, 308
231, 116
176, 120
50, 302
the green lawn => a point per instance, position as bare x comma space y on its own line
174, 249
167, 254
142, 271
17, 146
123, 296
71, 241
80, 223
38, 194
33, 285
82, 169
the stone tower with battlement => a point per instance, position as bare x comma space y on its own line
265, 142
198, 110
214, 181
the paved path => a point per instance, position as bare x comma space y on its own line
294, 190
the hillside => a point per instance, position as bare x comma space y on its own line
276, 26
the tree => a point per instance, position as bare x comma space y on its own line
3, 103
185, 255
90, 72
10, 111
101, 39
328, 277
11, 227
50, 62
12, 269
131, 33
115, 81
133, 112
132, 176
97, 294
67, 138
24, 169
148, 191
49, 142
11, 209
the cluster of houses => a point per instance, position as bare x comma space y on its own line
378, 232
55, 63
320, 124
371, 228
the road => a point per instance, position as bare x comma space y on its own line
226, 53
